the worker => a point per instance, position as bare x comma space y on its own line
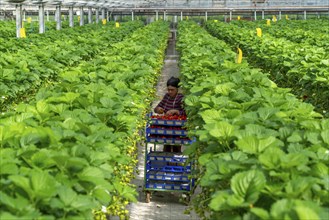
171, 104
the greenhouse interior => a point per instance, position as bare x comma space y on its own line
164, 109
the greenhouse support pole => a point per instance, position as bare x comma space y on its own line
81, 16
280, 15
263, 15
255, 15
103, 13
107, 15
41, 19
304, 15
90, 13
24, 15
97, 15
230, 15
181, 15
47, 12
58, 18
156, 15
164, 16
71, 16
18, 20
132, 15
206, 15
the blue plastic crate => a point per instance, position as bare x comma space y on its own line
168, 157
168, 186
167, 140
155, 121
156, 175
167, 168
165, 131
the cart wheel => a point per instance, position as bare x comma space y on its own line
186, 198
148, 197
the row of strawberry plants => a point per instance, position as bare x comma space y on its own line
291, 32
73, 150
260, 152
303, 68
42, 58
8, 28
13, 44
317, 25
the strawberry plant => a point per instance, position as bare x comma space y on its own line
283, 28
72, 151
27, 69
261, 153
301, 67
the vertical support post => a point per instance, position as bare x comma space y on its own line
181, 15
164, 16
18, 20
132, 15
81, 17
41, 19
97, 15
255, 15
206, 15
263, 14
280, 15
47, 12
58, 17
90, 15
304, 15
71, 16
156, 15
103, 13
24, 15
107, 15
230, 15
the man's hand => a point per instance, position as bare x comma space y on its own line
159, 110
172, 112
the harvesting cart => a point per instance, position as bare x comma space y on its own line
166, 171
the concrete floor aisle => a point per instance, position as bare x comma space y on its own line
163, 205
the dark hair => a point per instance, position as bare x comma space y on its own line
173, 82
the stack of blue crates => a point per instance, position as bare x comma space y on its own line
165, 132
167, 170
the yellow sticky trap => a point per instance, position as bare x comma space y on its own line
259, 32
79, 18
22, 33
215, 20
117, 24
268, 22
186, 17
103, 21
274, 18
239, 56
287, 17
29, 20
239, 18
